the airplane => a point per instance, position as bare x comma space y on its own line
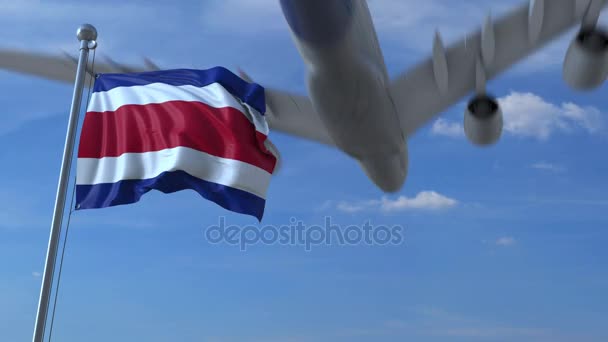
353, 104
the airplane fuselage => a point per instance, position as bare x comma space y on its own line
348, 84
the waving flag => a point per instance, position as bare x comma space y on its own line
174, 130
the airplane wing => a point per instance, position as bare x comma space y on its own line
286, 112
61, 67
450, 73
419, 94
295, 115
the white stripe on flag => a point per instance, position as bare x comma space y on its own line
133, 166
213, 95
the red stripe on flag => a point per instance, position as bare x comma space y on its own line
222, 132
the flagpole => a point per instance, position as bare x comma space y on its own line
87, 35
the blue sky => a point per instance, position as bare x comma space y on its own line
510, 247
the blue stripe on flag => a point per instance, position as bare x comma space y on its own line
250, 93
130, 191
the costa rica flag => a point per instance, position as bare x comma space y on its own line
173, 130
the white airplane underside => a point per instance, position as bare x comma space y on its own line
348, 84
353, 104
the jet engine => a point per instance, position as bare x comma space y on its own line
586, 63
483, 120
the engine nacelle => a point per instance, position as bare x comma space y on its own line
483, 120
586, 62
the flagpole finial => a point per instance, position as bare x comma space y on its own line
86, 32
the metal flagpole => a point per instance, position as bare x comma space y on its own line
87, 35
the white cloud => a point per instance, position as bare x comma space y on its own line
428, 200
36, 274
447, 128
548, 167
424, 200
529, 115
352, 208
328, 204
506, 241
